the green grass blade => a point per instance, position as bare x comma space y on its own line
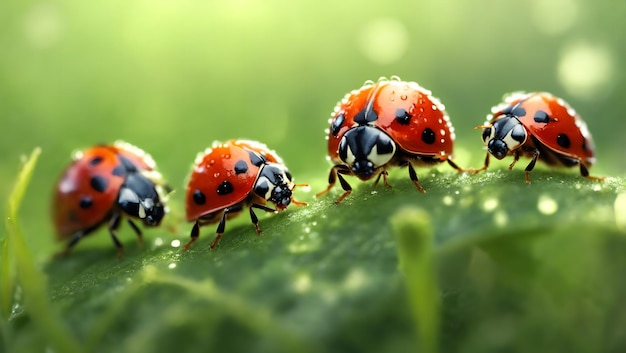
414, 236
31, 279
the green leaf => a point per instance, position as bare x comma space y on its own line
508, 266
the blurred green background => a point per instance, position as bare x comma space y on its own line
172, 76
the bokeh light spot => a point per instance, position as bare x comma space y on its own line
384, 41
585, 70
555, 16
43, 26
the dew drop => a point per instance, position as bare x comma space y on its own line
175, 243
171, 266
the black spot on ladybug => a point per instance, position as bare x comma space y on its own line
402, 116
241, 167
518, 111
428, 136
198, 197
256, 159
336, 125
585, 145
563, 140
85, 202
541, 117
95, 160
366, 115
119, 170
225, 188
98, 183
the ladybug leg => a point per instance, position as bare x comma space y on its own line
114, 223
384, 175
516, 158
476, 171
76, 237
530, 165
221, 227
335, 173
137, 231
455, 166
585, 172
195, 232
255, 219
413, 176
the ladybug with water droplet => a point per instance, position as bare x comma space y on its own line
540, 126
103, 184
383, 124
230, 176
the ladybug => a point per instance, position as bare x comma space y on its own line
542, 127
103, 184
383, 124
232, 175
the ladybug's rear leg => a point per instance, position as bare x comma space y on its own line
413, 176
335, 173
585, 172
255, 219
114, 224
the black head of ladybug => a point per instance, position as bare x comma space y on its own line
504, 135
139, 197
275, 184
365, 149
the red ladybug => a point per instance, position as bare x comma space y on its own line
232, 175
542, 127
383, 124
102, 184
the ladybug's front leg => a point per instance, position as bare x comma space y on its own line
137, 231
384, 174
530, 165
335, 173
255, 219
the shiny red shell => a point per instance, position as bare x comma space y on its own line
563, 121
387, 98
75, 185
235, 162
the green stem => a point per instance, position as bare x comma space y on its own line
414, 236
31, 279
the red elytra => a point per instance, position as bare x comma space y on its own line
232, 175
387, 123
102, 184
542, 127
